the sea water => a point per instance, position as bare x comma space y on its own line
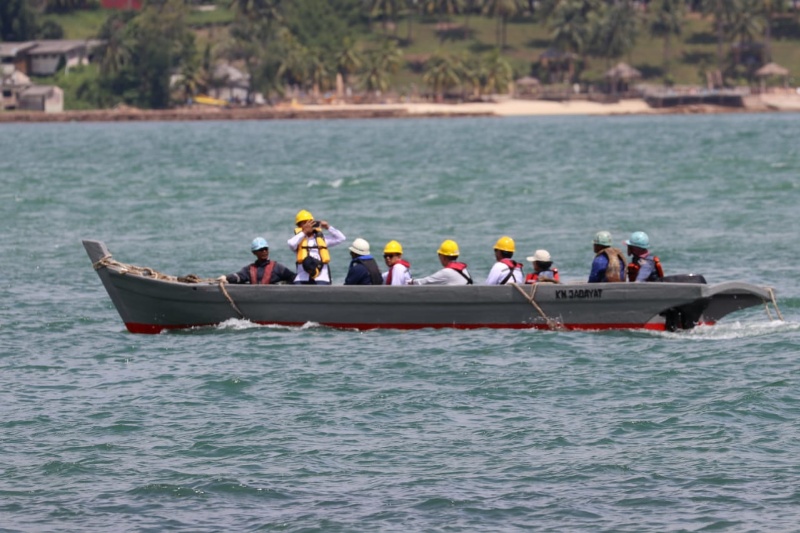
253, 428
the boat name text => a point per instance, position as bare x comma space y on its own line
570, 294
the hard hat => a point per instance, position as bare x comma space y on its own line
259, 243
302, 216
504, 244
603, 238
448, 248
542, 256
393, 247
360, 247
639, 239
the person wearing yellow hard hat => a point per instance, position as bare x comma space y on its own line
453, 272
505, 270
399, 272
311, 247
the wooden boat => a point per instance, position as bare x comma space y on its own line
149, 302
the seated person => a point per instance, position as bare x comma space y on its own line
543, 270
399, 272
262, 271
363, 268
609, 263
643, 266
453, 271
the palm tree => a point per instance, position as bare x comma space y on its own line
498, 72
379, 65
348, 60
501, 10
572, 24
386, 9
616, 32
443, 72
745, 24
667, 21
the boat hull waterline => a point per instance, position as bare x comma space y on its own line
150, 305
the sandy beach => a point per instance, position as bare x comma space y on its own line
500, 108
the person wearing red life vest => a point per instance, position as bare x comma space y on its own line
453, 271
262, 271
399, 272
505, 270
643, 266
543, 270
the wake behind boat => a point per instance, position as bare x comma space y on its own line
149, 302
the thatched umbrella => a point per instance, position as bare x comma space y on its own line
527, 85
621, 74
773, 69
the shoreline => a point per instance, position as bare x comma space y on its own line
502, 108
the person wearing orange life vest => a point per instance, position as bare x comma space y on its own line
453, 271
608, 264
399, 272
262, 271
505, 270
311, 247
543, 270
643, 266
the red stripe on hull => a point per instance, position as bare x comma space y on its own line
152, 329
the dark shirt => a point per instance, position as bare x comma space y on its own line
279, 273
363, 271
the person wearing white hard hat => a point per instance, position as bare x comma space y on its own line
505, 270
643, 266
543, 270
608, 264
262, 271
363, 268
453, 272
311, 247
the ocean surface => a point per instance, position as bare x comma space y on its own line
252, 428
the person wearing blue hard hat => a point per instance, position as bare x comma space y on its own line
262, 271
643, 266
609, 262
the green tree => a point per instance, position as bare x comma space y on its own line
379, 65
501, 10
667, 21
498, 73
616, 31
18, 22
443, 72
348, 59
572, 26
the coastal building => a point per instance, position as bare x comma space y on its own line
47, 98
14, 56
12, 82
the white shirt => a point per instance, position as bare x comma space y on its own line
446, 276
400, 275
333, 238
499, 272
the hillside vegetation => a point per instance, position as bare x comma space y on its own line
441, 46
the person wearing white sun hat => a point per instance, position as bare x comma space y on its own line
363, 268
543, 270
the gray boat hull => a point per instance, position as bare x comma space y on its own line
149, 305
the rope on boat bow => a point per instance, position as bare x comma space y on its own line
147, 272
774, 305
552, 323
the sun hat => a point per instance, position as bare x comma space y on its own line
360, 247
542, 256
603, 238
258, 243
639, 239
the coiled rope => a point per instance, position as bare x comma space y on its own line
147, 272
552, 323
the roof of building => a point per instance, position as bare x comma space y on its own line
38, 90
12, 49
57, 47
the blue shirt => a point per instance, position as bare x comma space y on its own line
599, 267
358, 273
